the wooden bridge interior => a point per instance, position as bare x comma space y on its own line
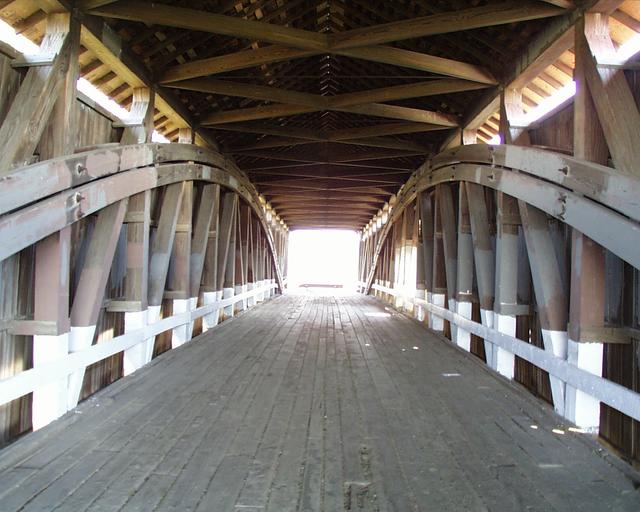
152, 355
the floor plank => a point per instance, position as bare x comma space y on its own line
313, 403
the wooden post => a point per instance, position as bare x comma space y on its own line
483, 257
44, 90
447, 214
242, 254
186, 136
89, 296
40, 90
587, 292
506, 288
420, 287
464, 272
138, 128
201, 229
426, 216
178, 281
136, 281
51, 309
210, 291
439, 268
161, 254
226, 248
512, 129
549, 288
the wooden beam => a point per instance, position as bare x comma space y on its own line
229, 204
397, 92
178, 280
208, 204
139, 126
232, 62
163, 242
30, 110
612, 97
421, 61
90, 289
446, 22
258, 92
204, 21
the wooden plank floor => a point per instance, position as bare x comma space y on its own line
317, 404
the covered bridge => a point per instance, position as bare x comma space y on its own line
486, 152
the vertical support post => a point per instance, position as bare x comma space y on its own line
210, 290
511, 114
483, 257
464, 273
139, 126
89, 295
239, 274
208, 198
448, 222
178, 282
506, 287
426, 217
420, 287
41, 87
548, 286
226, 248
136, 281
243, 249
586, 302
161, 254
439, 268
32, 106
185, 136
52, 308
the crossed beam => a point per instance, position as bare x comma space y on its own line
288, 43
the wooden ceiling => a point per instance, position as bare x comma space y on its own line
328, 105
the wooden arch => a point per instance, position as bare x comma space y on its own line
484, 210
179, 261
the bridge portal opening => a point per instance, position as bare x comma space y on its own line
323, 258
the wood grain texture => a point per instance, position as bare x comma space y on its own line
311, 403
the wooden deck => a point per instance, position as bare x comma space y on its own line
318, 404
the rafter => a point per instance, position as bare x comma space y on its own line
204, 21
392, 93
446, 22
382, 54
259, 92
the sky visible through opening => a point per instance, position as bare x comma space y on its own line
323, 256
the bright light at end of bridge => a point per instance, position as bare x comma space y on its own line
324, 257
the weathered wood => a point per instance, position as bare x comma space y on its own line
162, 246
232, 62
314, 101
178, 278
617, 109
90, 290
442, 23
137, 219
52, 280
450, 244
396, 92
311, 390
209, 200
209, 22
139, 125
420, 61
32, 106
229, 203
